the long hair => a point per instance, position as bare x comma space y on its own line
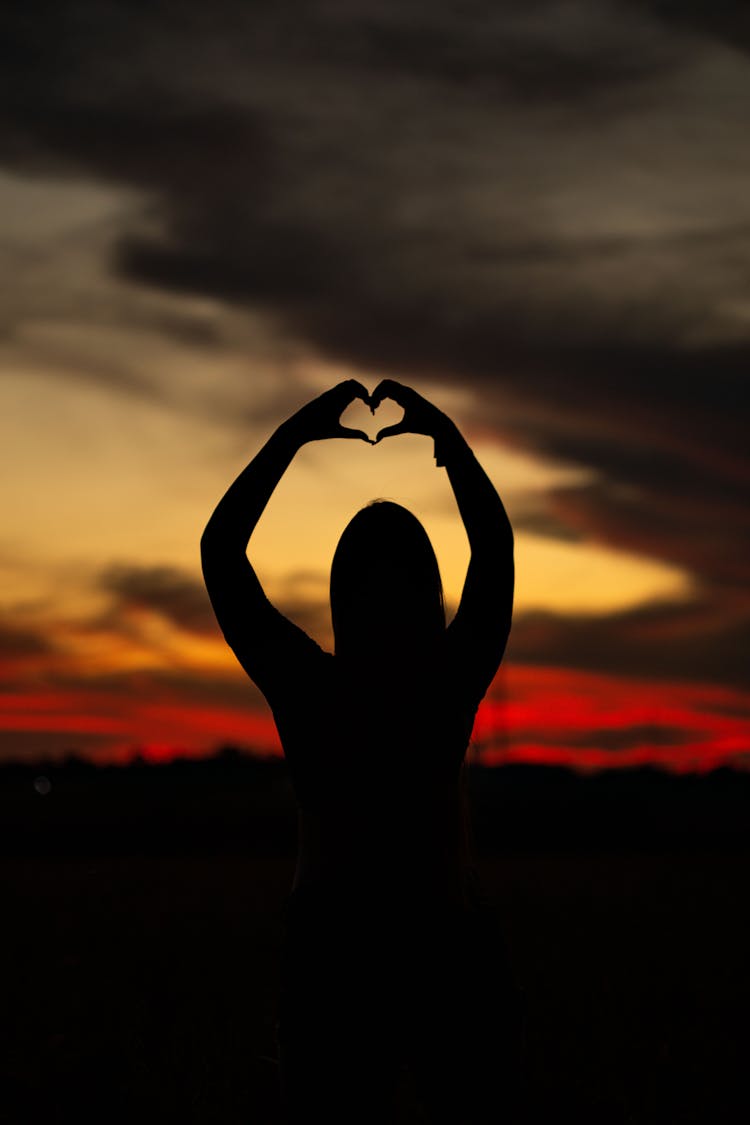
386, 592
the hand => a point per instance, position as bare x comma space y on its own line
320, 418
420, 416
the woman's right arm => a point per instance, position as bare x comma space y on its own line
245, 615
264, 641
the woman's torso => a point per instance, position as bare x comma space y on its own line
376, 754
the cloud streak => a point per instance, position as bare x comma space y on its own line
164, 590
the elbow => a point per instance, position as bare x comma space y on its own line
221, 552
218, 538
213, 547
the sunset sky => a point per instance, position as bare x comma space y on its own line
538, 215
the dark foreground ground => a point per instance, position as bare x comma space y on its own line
141, 925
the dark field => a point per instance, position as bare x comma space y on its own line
142, 922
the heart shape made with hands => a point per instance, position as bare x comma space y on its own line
358, 416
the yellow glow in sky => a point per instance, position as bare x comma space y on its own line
95, 476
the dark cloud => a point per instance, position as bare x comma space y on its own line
228, 687
727, 20
19, 642
183, 600
697, 521
539, 520
619, 739
312, 616
533, 56
161, 589
705, 642
550, 48
22, 746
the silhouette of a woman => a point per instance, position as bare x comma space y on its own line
391, 958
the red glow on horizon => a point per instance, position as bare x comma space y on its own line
156, 729
532, 715
555, 716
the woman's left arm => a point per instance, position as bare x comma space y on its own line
478, 633
260, 636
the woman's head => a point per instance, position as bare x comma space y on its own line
386, 593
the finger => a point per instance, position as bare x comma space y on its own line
382, 390
354, 389
391, 431
346, 432
387, 388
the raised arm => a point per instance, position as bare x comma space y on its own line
482, 622
479, 632
265, 642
